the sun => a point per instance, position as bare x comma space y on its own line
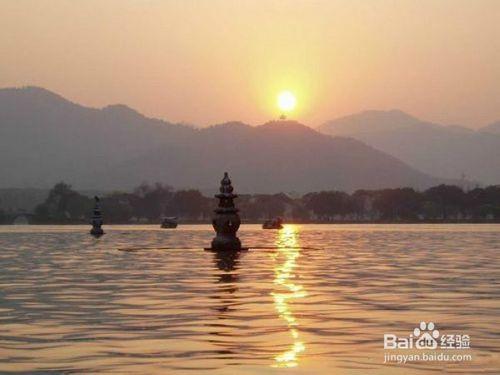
286, 101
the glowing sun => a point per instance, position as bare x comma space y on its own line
286, 101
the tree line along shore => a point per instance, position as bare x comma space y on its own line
148, 203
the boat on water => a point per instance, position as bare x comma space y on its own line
169, 222
275, 223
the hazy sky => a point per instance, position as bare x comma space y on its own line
211, 61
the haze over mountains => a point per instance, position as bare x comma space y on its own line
445, 151
45, 139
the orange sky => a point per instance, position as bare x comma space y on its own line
211, 61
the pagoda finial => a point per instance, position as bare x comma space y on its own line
225, 185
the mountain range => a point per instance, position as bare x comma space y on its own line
447, 151
45, 138
493, 128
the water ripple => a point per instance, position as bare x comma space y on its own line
316, 298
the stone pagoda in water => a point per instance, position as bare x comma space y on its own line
226, 220
96, 219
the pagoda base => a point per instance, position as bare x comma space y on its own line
97, 232
225, 250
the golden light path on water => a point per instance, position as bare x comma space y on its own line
286, 256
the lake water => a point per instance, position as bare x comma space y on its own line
311, 299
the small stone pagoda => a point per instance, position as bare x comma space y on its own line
226, 220
96, 219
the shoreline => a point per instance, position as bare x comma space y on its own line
352, 222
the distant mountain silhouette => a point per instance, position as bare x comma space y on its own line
492, 128
45, 138
445, 151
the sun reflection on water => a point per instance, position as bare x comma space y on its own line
288, 251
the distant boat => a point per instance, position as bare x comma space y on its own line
169, 222
276, 223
